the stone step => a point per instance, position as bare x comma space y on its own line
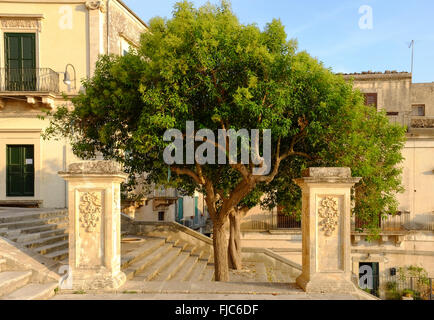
42, 228
60, 245
208, 273
12, 280
58, 255
21, 216
181, 244
33, 222
142, 263
151, 244
173, 268
45, 241
205, 255
186, 268
155, 268
197, 271
38, 235
33, 291
172, 239
29, 231
190, 248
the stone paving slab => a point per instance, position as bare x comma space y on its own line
209, 296
172, 287
140, 290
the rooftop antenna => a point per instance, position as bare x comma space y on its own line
412, 55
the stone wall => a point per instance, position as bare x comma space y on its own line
122, 25
423, 93
393, 89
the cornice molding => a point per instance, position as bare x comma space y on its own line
96, 5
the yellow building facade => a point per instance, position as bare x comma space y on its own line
46, 49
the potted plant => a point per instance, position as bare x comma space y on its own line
407, 294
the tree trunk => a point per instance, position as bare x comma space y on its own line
234, 247
220, 253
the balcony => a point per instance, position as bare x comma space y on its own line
421, 125
265, 221
419, 122
393, 227
29, 80
37, 85
162, 198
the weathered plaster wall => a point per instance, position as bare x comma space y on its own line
122, 25
50, 156
423, 93
418, 180
62, 37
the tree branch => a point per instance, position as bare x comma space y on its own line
187, 172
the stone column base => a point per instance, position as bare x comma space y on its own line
324, 283
100, 280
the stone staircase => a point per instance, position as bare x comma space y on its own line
43, 231
167, 259
21, 284
168, 252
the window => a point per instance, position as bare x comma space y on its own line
418, 110
371, 99
20, 61
125, 47
392, 113
161, 216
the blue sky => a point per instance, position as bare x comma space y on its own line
330, 30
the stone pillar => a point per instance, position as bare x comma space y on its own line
326, 230
94, 224
96, 31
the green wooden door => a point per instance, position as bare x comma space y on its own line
20, 171
20, 61
180, 209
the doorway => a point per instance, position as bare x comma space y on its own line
20, 171
369, 279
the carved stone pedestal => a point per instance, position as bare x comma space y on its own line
326, 230
94, 224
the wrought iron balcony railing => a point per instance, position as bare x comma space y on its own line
165, 193
395, 222
29, 79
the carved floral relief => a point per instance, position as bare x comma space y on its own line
90, 210
329, 212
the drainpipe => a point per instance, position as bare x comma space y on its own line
108, 24
65, 164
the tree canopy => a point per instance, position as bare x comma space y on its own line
203, 65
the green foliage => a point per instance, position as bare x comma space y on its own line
413, 271
419, 281
392, 292
408, 293
203, 65
391, 285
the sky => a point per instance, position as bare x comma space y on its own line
346, 35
